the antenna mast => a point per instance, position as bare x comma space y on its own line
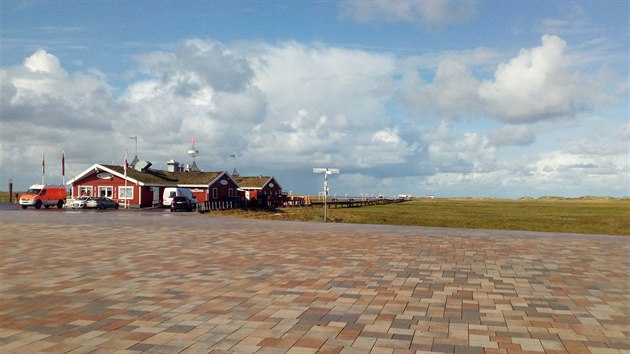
193, 152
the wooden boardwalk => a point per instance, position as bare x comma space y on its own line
355, 203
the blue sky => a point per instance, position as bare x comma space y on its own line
449, 98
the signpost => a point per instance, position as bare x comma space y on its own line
326, 172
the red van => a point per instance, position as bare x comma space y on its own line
44, 194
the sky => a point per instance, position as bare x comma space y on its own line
503, 99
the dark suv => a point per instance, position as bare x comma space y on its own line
181, 203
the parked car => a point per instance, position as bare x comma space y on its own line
171, 192
80, 202
101, 203
181, 203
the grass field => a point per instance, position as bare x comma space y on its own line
4, 196
588, 216
582, 215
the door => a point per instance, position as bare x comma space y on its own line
156, 195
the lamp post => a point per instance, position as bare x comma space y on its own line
326, 172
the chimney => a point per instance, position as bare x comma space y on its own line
173, 166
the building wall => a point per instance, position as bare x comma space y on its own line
110, 186
222, 190
272, 192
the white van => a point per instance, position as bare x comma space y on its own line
172, 192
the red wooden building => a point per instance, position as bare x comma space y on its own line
146, 188
260, 189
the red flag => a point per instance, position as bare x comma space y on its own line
63, 163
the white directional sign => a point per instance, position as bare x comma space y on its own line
326, 172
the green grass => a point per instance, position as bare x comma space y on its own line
588, 216
583, 215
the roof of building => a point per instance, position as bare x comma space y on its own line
257, 182
156, 177
165, 177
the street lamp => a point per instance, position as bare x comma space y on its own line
326, 172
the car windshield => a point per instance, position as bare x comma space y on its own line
33, 191
83, 198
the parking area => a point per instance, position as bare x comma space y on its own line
157, 282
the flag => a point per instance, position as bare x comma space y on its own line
63, 163
125, 165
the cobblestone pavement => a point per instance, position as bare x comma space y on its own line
153, 282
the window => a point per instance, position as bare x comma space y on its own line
125, 192
85, 191
231, 192
215, 193
106, 191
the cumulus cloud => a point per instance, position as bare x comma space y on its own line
419, 12
540, 83
285, 108
535, 85
44, 108
43, 62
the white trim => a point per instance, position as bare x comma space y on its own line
98, 167
128, 188
105, 188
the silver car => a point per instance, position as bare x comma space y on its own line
80, 202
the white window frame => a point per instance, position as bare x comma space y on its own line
107, 189
86, 189
231, 192
125, 193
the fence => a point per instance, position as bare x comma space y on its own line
205, 207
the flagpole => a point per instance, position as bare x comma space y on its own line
63, 168
43, 168
126, 190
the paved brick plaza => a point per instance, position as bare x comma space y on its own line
130, 282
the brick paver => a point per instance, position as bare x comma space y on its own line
130, 282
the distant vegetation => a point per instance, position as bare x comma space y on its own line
4, 196
589, 215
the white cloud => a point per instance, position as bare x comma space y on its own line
41, 61
393, 125
535, 85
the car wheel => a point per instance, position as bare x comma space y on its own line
59, 204
116, 206
24, 207
38, 204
